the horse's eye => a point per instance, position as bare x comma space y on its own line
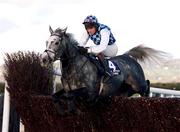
56, 43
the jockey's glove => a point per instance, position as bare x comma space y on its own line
82, 50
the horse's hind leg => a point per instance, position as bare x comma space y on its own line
148, 88
145, 89
142, 87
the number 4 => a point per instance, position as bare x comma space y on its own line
111, 66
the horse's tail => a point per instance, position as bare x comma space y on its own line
142, 53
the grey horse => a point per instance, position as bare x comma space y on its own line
80, 73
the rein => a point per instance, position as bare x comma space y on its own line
47, 51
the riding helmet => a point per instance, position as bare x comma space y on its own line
90, 21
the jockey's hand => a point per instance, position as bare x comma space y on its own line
82, 50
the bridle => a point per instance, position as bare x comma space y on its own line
55, 52
51, 51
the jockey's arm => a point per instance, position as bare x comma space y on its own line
105, 33
84, 39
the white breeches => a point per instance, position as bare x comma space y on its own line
111, 50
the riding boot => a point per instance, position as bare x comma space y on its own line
104, 64
106, 68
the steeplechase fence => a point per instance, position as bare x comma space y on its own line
30, 87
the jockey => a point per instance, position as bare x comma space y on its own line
103, 39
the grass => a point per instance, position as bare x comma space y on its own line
174, 86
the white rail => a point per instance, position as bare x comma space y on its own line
6, 110
164, 92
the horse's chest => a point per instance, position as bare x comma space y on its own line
72, 82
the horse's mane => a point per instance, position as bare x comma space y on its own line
72, 40
69, 36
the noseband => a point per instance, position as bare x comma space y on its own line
49, 57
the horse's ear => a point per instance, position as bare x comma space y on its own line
50, 30
64, 30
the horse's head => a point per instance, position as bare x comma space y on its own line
55, 46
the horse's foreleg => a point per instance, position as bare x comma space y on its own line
57, 103
92, 97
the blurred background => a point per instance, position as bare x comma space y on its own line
24, 27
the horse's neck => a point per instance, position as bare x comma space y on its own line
75, 62
77, 65
71, 49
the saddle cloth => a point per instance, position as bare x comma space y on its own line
114, 68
